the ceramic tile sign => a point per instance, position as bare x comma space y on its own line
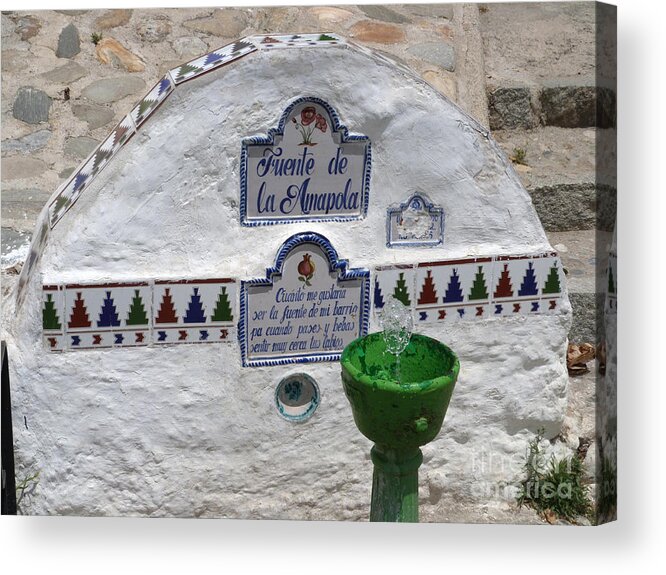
308, 308
308, 168
416, 223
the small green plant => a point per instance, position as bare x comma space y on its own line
556, 487
26, 485
519, 156
96, 38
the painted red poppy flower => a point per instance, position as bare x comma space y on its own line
308, 115
321, 123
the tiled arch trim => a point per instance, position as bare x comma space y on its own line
70, 190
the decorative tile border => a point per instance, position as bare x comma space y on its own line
107, 315
81, 178
159, 312
453, 289
278, 41
152, 100
194, 311
212, 60
133, 314
474, 288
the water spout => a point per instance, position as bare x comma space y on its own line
397, 326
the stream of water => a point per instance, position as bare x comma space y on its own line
397, 325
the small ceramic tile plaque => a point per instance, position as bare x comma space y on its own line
308, 308
308, 168
417, 222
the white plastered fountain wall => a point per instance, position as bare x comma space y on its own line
186, 430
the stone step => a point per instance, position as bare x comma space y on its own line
559, 170
588, 317
558, 103
541, 66
584, 255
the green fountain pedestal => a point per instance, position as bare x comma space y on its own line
398, 417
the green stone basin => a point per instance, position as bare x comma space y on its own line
401, 415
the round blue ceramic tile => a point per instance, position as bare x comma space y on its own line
297, 397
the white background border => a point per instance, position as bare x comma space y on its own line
634, 543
